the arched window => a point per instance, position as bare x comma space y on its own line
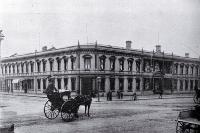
121, 64
32, 66
65, 62
17, 67
130, 64
44, 65
112, 63
51, 60
186, 69
22, 67
9, 68
58, 63
73, 59
87, 62
102, 60
13, 65
138, 65
27, 69
38, 65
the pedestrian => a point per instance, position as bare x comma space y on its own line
160, 93
121, 94
134, 96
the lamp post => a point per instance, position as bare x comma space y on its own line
99, 81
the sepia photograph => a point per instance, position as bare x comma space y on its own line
99, 66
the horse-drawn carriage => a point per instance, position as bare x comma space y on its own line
189, 120
68, 108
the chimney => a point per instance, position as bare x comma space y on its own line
44, 48
128, 44
187, 55
158, 48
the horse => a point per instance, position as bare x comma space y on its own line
85, 100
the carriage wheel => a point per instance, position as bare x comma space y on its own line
66, 111
50, 111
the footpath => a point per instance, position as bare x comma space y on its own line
114, 98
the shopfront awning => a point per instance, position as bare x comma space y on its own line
16, 81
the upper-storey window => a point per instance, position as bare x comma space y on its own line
121, 64
17, 68
197, 70
73, 59
38, 65
27, 67
186, 69
58, 63
22, 67
147, 66
130, 64
176, 68
5, 69
87, 61
112, 63
157, 66
192, 70
2, 69
9, 68
65, 62
44, 65
13, 65
181, 68
102, 60
138, 65
32, 66
51, 64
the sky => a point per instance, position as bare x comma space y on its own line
28, 25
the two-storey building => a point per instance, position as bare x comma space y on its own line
78, 67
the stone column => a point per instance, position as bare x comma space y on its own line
141, 84
55, 67
69, 64
107, 84
141, 65
41, 85
125, 65
183, 84
178, 85
134, 84
134, 66
62, 65
179, 70
116, 64
189, 85
107, 64
193, 85
116, 83
69, 83
35, 85
56, 82
125, 84
62, 83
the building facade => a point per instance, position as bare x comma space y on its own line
100, 68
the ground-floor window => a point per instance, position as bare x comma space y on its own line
59, 83
137, 84
44, 83
130, 84
66, 83
102, 85
38, 83
181, 85
146, 84
112, 84
186, 85
191, 84
175, 84
73, 80
121, 84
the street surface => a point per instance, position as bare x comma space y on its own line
142, 116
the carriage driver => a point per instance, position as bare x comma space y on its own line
51, 91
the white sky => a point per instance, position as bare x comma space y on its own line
31, 24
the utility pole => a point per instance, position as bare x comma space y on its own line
1, 38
